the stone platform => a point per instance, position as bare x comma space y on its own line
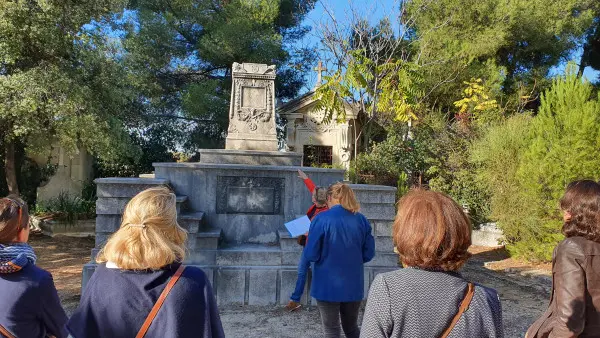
250, 157
234, 214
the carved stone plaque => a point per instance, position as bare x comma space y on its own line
249, 195
252, 108
254, 98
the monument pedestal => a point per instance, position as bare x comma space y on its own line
248, 157
252, 109
265, 143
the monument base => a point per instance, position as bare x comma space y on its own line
260, 143
243, 248
249, 157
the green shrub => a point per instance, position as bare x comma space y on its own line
498, 155
395, 160
565, 138
66, 207
451, 171
526, 163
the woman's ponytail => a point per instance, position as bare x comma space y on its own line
345, 195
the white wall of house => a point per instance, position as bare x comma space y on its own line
72, 173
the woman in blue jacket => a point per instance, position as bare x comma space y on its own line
340, 242
29, 304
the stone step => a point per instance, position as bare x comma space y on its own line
249, 254
152, 176
376, 211
384, 244
288, 243
374, 194
107, 224
208, 239
250, 157
252, 285
256, 285
382, 227
203, 239
384, 259
191, 221
126, 187
116, 205
95, 252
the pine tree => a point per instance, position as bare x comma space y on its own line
565, 141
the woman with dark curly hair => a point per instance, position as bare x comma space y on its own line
574, 309
429, 298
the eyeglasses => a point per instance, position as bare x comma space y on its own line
19, 205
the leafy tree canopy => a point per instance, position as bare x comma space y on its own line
180, 55
519, 39
57, 82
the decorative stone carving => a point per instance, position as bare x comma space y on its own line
252, 109
315, 121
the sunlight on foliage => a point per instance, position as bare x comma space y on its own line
476, 100
389, 90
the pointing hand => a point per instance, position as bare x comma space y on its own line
302, 175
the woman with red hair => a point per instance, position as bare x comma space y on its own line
429, 298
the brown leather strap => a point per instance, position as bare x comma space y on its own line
159, 302
464, 305
5, 332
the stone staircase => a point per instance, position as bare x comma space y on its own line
247, 273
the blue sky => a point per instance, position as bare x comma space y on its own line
341, 10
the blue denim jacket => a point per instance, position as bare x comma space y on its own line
340, 242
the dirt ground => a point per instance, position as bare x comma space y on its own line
498, 259
523, 300
64, 257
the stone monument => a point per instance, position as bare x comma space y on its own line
252, 108
234, 203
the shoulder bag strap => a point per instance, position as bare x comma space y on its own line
159, 302
464, 305
5, 332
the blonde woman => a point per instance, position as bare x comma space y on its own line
140, 263
340, 242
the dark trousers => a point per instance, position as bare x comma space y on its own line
332, 312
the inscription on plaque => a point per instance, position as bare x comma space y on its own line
253, 97
249, 195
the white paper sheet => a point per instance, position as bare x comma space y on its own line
298, 227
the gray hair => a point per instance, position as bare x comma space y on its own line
320, 194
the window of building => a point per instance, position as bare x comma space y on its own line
317, 155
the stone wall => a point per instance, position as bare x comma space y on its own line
213, 189
72, 173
